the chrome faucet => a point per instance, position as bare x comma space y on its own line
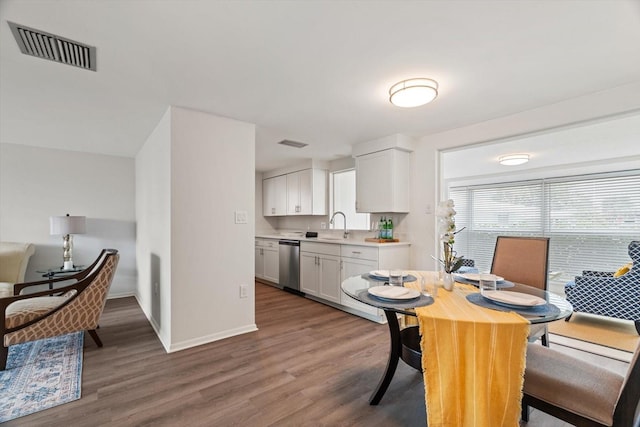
346, 233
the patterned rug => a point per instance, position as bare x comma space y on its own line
606, 331
41, 374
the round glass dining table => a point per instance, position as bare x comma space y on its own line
405, 343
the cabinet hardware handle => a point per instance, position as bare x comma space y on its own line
356, 252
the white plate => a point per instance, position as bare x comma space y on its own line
385, 273
394, 292
476, 276
516, 299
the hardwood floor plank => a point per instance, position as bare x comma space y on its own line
307, 365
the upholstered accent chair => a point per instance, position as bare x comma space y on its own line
524, 260
468, 266
64, 309
579, 392
600, 293
14, 258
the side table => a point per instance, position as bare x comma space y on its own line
53, 272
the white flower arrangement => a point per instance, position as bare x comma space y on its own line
447, 229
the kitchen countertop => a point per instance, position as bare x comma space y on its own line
333, 240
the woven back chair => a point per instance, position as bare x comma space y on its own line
58, 311
524, 260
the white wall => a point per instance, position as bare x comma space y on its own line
427, 180
153, 216
36, 183
194, 172
212, 176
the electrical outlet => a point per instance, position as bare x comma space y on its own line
323, 225
244, 291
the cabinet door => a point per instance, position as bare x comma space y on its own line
373, 186
309, 273
293, 193
382, 181
271, 264
355, 267
259, 261
274, 196
330, 278
305, 190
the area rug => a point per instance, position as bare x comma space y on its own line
608, 332
40, 375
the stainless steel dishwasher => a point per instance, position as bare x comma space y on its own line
289, 265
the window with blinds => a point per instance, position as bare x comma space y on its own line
590, 220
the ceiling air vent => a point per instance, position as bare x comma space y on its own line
54, 48
290, 143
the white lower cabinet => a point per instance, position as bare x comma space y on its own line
267, 260
324, 266
320, 270
356, 267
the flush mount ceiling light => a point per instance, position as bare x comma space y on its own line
413, 92
513, 159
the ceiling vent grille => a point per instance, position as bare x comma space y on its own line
54, 48
290, 143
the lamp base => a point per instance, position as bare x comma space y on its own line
68, 265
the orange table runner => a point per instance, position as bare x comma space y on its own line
473, 360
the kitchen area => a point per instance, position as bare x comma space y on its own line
314, 231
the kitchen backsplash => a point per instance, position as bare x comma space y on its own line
314, 223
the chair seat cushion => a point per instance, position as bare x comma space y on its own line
6, 289
575, 385
23, 311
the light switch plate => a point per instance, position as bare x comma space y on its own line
241, 217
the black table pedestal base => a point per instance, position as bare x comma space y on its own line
405, 345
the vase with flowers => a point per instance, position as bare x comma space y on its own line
447, 229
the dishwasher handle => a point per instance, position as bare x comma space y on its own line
289, 242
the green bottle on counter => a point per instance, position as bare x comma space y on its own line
390, 229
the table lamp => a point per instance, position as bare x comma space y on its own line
67, 226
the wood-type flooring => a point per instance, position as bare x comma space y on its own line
307, 365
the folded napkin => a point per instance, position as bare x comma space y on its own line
514, 298
389, 291
473, 362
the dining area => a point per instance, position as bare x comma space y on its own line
479, 345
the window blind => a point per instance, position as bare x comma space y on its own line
590, 220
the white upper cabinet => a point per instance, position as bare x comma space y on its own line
307, 192
382, 181
274, 196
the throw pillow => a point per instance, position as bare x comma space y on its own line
623, 270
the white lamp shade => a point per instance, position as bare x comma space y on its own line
62, 225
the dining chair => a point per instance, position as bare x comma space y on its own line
524, 260
579, 392
68, 308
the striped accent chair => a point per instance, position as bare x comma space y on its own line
600, 293
64, 309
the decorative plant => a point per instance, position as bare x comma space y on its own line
447, 230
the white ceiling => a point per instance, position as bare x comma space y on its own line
310, 71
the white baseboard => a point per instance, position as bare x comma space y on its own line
122, 295
211, 338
